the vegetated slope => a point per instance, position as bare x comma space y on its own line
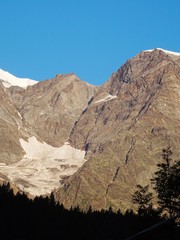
131, 118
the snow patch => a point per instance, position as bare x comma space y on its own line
43, 167
9, 80
20, 115
35, 149
107, 98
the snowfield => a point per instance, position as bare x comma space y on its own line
43, 167
9, 80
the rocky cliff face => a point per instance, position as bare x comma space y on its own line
52, 107
131, 118
12, 128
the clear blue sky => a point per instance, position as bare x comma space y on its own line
92, 38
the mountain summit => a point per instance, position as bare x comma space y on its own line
132, 117
92, 144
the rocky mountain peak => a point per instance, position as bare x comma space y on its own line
135, 69
52, 107
131, 118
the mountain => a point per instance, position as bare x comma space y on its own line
132, 117
52, 107
91, 145
35, 124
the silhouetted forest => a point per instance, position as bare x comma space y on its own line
41, 218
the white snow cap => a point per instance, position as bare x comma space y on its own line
166, 51
107, 98
9, 80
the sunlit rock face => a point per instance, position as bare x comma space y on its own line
131, 118
52, 107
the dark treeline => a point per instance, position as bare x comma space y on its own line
41, 218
